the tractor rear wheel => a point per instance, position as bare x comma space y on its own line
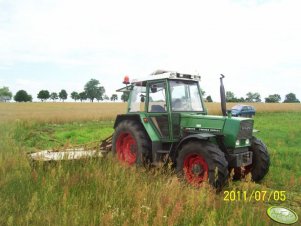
201, 161
130, 143
260, 162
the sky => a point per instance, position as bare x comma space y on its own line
62, 44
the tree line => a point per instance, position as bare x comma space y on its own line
94, 91
255, 97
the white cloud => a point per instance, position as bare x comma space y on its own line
28, 84
249, 42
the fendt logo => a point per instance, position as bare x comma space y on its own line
246, 128
282, 215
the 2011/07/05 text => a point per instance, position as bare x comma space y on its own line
258, 196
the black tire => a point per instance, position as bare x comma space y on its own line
217, 170
260, 162
140, 143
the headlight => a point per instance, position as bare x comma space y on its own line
237, 143
247, 141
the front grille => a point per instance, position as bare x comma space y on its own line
238, 150
246, 129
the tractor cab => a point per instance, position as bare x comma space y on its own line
166, 120
168, 93
162, 97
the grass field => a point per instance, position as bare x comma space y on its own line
101, 192
69, 112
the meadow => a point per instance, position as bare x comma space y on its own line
70, 112
103, 192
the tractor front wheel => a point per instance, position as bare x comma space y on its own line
130, 143
201, 161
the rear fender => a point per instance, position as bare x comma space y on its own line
119, 118
151, 133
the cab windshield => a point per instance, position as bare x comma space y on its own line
185, 96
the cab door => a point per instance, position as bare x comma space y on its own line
158, 108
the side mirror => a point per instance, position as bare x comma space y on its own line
142, 98
153, 88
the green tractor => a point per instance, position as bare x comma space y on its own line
166, 120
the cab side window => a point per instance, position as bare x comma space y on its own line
137, 98
157, 97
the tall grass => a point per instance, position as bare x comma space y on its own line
103, 192
69, 112
215, 109
60, 112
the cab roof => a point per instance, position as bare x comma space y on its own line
164, 74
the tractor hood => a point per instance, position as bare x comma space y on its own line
202, 123
232, 128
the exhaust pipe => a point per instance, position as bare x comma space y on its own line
223, 96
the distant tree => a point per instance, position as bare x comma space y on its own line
94, 90
99, 98
63, 95
241, 100
230, 97
106, 97
53, 96
275, 98
75, 96
82, 96
209, 98
29, 98
253, 97
22, 96
291, 98
125, 96
114, 97
43, 95
99, 94
5, 94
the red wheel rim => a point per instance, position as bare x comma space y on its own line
195, 169
126, 148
